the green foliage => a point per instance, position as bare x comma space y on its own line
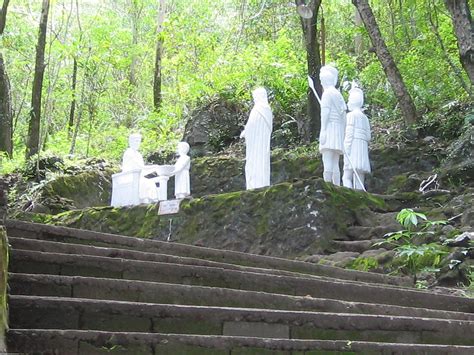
412, 252
364, 264
211, 49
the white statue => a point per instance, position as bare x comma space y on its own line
182, 186
133, 160
333, 122
257, 134
356, 142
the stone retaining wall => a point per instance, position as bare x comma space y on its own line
3, 285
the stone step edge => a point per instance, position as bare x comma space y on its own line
40, 340
126, 269
206, 291
209, 253
146, 310
127, 254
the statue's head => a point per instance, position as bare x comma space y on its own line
183, 148
356, 99
134, 140
328, 76
260, 95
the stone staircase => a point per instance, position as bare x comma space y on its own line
82, 292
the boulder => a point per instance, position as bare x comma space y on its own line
458, 167
214, 126
287, 219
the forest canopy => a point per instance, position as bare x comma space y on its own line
101, 58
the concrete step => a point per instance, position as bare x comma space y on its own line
356, 246
33, 262
77, 342
359, 233
164, 293
78, 249
75, 236
32, 312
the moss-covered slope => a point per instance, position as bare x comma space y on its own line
287, 219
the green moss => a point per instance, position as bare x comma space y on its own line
89, 188
3, 286
397, 183
289, 219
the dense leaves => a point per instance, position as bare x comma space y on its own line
210, 49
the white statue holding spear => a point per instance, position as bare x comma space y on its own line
333, 123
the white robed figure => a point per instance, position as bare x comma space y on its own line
257, 134
133, 160
182, 186
333, 122
356, 142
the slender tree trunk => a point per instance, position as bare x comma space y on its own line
32, 144
6, 113
309, 130
464, 30
433, 19
323, 39
407, 107
358, 42
78, 120
157, 94
72, 109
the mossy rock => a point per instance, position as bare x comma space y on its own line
287, 219
458, 167
221, 174
85, 189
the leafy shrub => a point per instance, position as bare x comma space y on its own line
412, 252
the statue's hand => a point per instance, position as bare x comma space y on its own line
322, 138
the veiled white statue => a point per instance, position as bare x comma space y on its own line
257, 134
182, 186
333, 121
132, 161
356, 142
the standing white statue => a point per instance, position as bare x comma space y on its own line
257, 134
133, 160
356, 142
333, 121
182, 186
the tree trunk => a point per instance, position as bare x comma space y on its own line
309, 129
407, 107
72, 109
358, 41
433, 19
157, 95
32, 144
5, 111
464, 30
6, 114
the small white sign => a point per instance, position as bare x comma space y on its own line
169, 207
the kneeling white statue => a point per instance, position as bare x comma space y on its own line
356, 142
182, 186
257, 134
130, 187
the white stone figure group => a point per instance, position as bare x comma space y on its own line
182, 186
340, 136
356, 142
257, 134
132, 186
333, 122
133, 161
